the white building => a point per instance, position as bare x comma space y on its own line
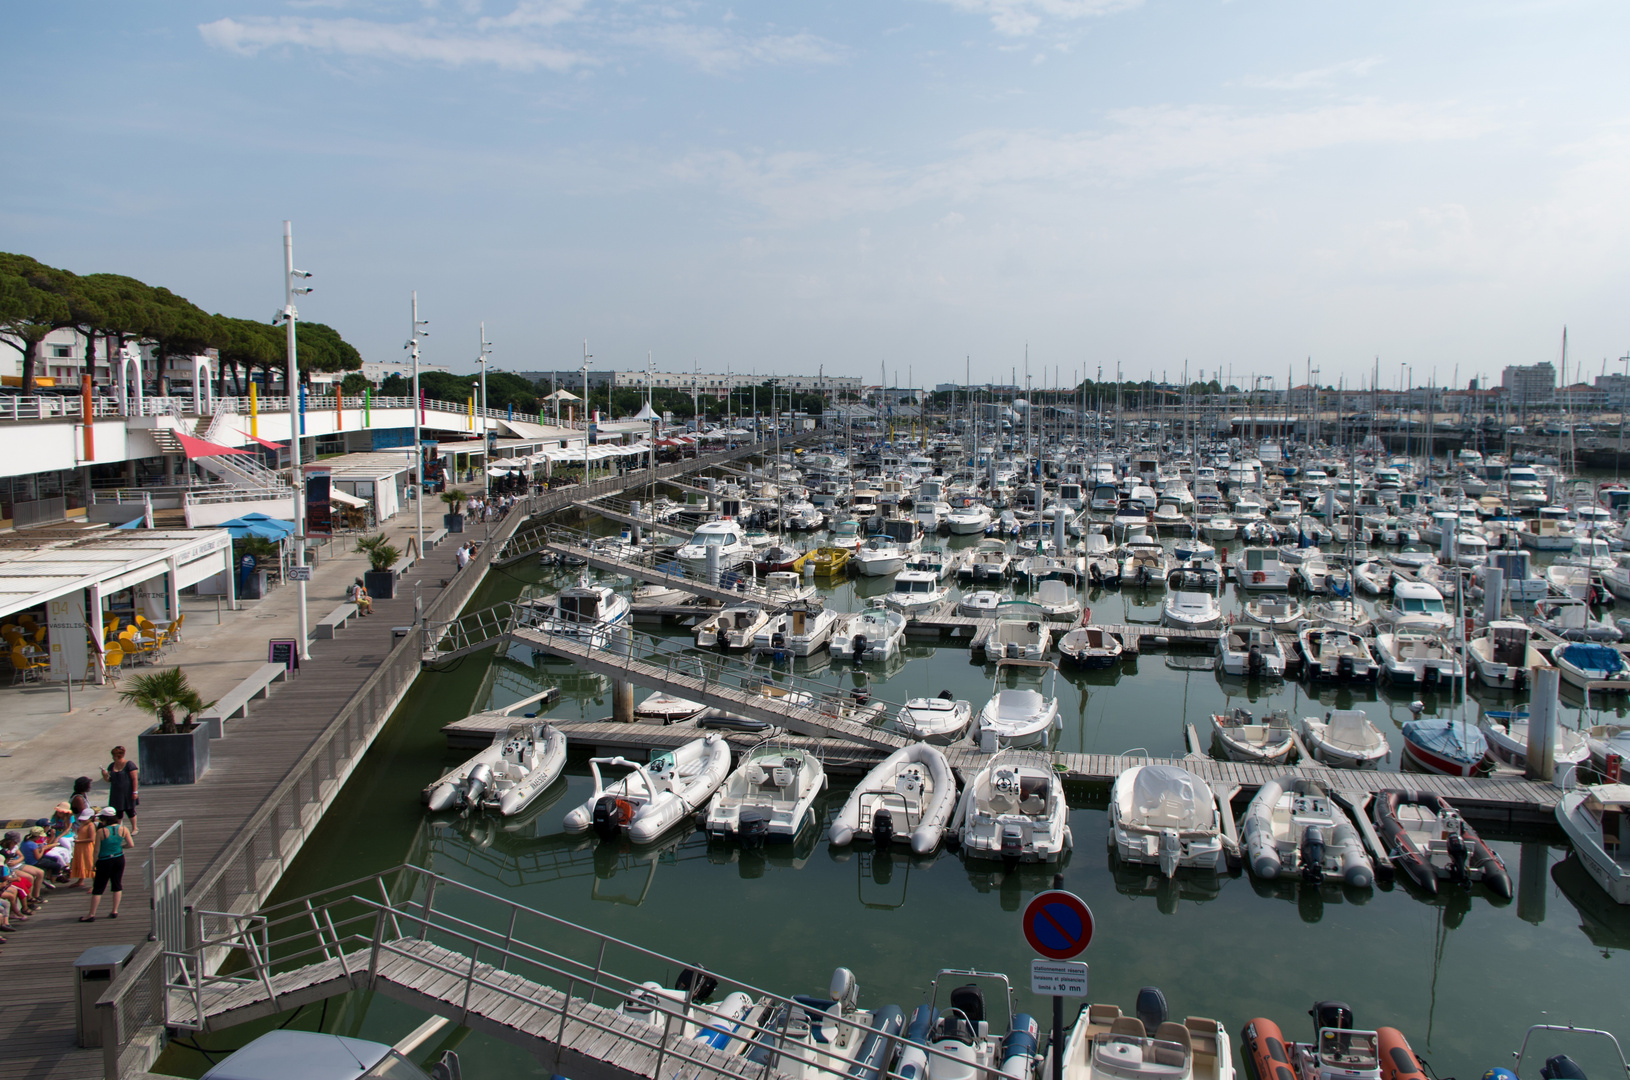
1531, 385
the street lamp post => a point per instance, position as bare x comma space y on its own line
416, 331
586, 359
486, 463
288, 317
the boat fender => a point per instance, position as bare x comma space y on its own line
883, 827
872, 1059
1561, 1067
913, 1063
1019, 1047
1265, 1050
1398, 1061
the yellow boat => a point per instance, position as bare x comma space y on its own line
827, 561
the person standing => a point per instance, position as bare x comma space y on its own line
111, 838
82, 866
122, 777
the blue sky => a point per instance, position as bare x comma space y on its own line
781, 186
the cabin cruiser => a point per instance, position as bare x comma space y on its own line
1014, 809
879, 557
1417, 657
769, 796
726, 536
1021, 632
1507, 735
1597, 821
907, 798
1105, 1045
799, 631
1019, 716
873, 635
1428, 840
990, 562
916, 592
1058, 601
1276, 613
1293, 828
1504, 656
1345, 739
1191, 611
1165, 816
980, 604
941, 720
1331, 653
1261, 568
1570, 618
584, 611
733, 628
654, 796
1249, 651
1445, 746
508, 775
971, 520
1243, 739
1091, 648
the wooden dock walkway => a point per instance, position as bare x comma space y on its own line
645, 523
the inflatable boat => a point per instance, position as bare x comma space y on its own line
1429, 840
1338, 1052
508, 775
813, 1038
1294, 828
653, 797
961, 1042
908, 798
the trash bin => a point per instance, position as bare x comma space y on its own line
94, 972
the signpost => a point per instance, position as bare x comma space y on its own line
299, 573
1058, 925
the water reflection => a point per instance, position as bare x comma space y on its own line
1141, 880
1012, 883
751, 861
1605, 923
884, 874
1310, 897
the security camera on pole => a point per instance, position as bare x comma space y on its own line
287, 317
412, 347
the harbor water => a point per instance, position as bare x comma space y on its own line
1463, 974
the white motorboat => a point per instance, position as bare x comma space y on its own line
1191, 611
1261, 568
662, 708
1105, 1045
1597, 667
942, 564
1341, 614
769, 796
1220, 527
1507, 735
1103, 568
653, 797
1293, 828
1420, 658
942, 719
1345, 739
508, 775
1165, 816
1330, 653
907, 798
1091, 647
1242, 738
970, 520
1276, 613
1058, 601
990, 562
1373, 576
879, 557
1504, 655
1017, 715
916, 592
584, 611
786, 587
1014, 809
980, 604
732, 628
1021, 632
1417, 606
1251, 651
1606, 741
800, 631
726, 536
875, 634
1597, 821
1145, 565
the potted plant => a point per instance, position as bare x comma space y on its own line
172, 751
380, 579
453, 520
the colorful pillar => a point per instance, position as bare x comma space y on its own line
367, 408
302, 410
87, 405
469, 404
254, 410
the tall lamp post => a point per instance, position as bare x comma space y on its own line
481, 358
291, 289
586, 359
416, 332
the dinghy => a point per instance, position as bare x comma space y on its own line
1019, 716
653, 797
1345, 739
1596, 667
1165, 816
1249, 651
1243, 739
768, 796
508, 775
1428, 840
907, 798
1014, 809
1293, 828
939, 720
1091, 648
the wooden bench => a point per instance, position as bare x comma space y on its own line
336, 620
235, 702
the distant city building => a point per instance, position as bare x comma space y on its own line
1615, 389
377, 371
703, 382
1531, 385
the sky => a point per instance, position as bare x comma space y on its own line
909, 189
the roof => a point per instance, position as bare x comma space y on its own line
37, 565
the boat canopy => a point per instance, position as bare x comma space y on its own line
1165, 796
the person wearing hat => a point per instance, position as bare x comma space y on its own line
111, 840
83, 866
12, 848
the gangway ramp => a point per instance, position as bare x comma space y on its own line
624, 514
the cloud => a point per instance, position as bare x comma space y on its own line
421, 41
712, 50
1017, 18
1316, 77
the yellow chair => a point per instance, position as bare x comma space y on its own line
175, 627
113, 658
132, 647
25, 668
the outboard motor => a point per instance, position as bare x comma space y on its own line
1330, 1014
844, 989
751, 829
480, 779
859, 646
1012, 842
1344, 667
1312, 854
1255, 660
883, 828
1459, 857
705, 984
1151, 1007
778, 642
608, 816
1561, 1067
946, 695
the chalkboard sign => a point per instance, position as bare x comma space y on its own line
283, 651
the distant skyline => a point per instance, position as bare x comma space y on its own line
903, 183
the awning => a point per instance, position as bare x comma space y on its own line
197, 448
345, 497
267, 443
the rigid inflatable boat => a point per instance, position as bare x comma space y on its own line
1294, 828
811, 1038
961, 1043
908, 797
1429, 840
1104, 1044
508, 775
653, 797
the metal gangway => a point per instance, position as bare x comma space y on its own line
802, 705
496, 966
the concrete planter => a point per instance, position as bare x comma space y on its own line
173, 759
381, 584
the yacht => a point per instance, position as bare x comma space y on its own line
942, 719
1165, 816
1146, 565
726, 536
990, 562
1507, 735
1058, 601
1091, 647
1243, 739
971, 520
879, 557
1019, 716
980, 604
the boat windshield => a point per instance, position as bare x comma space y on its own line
1133, 1058
1428, 605
846, 528
1348, 1049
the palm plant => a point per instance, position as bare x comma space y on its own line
454, 501
161, 694
381, 555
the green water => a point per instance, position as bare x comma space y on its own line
1463, 974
